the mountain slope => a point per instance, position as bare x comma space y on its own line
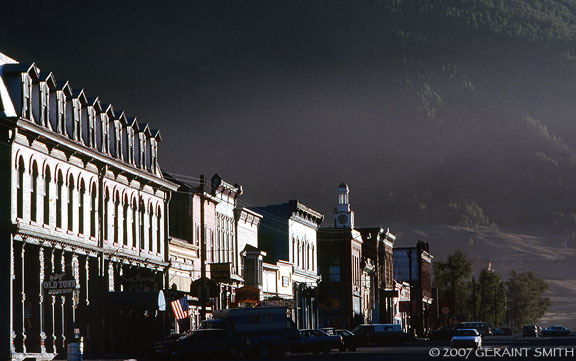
548, 255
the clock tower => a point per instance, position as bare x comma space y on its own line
343, 216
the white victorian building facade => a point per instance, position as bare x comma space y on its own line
83, 220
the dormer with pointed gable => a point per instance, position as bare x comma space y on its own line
93, 109
106, 129
131, 129
154, 139
19, 78
41, 98
76, 102
58, 97
143, 136
118, 141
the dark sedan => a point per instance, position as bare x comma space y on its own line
317, 341
443, 333
350, 340
200, 343
556, 330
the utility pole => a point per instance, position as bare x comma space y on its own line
474, 298
495, 305
203, 291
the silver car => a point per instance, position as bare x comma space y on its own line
467, 338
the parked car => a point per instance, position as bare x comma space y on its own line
349, 339
556, 330
529, 331
379, 334
200, 343
497, 331
466, 337
442, 333
507, 331
483, 328
316, 341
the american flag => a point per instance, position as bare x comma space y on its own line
180, 308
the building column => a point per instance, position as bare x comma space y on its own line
41, 299
60, 302
15, 299
23, 298
49, 304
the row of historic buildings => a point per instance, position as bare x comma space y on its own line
96, 236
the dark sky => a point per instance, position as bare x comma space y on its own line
287, 98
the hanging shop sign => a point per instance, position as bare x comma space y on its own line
59, 284
220, 272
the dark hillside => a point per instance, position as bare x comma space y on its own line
491, 84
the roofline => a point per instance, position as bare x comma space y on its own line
30, 126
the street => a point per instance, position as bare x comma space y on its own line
495, 347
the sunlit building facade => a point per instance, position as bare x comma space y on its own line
83, 220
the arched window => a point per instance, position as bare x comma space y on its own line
294, 251
47, 181
20, 191
135, 226
105, 215
142, 232
159, 230
150, 233
116, 216
81, 207
59, 195
71, 204
93, 211
313, 259
34, 194
125, 223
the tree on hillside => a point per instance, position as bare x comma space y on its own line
451, 277
525, 298
492, 297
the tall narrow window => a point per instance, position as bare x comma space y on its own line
135, 226
105, 140
142, 232
91, 127
130, 145
153, 154
61, 118
150, 228
44, 108
20, 191
71, 204
81, 207
59, 195
116, 216
159, 230
26, 96
34, 194
125, 223
76, 130
105, 217
93, 211
142, 151
117, 140
47, 181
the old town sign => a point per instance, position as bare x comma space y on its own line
59, 284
